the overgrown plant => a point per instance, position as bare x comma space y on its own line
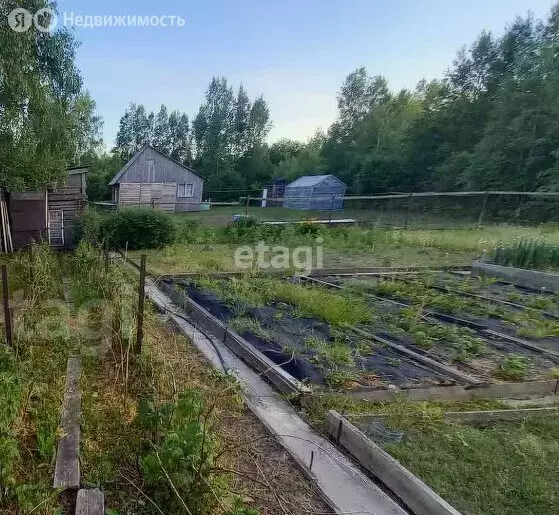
10, 400
180, 464
513, 368
527, 253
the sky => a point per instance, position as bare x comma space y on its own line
296, 53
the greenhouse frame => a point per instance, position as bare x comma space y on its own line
315, 192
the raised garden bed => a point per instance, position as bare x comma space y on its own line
309, 348
478, 464
506, 328
343, 339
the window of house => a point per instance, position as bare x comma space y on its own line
151, 170
186, 190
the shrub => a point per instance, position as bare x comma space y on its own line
88, 227
308, 228
513, 368
183, 455
141, 228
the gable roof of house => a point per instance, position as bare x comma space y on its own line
131, 161
308, 181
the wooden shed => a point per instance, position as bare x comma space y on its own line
152, 179
49, 214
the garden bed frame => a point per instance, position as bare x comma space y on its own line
408, 487
530, 279
479, 327
288, 384
284, 381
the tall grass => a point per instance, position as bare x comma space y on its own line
528, 253
478, 239
314, 301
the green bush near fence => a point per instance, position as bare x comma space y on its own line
139, 228
527, 253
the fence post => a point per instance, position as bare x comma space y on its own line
264, 197
246, 206
408, 210
30, 253
7, 313
153, 203
482, 213
141, 297
331, 210
106, 255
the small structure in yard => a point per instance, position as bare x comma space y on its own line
49, 213
153, 179
274, 191
315, 192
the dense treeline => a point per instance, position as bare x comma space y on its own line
491, 123
225, 142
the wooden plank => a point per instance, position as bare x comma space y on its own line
67, 468
532, 279
526, 390
408, 487
90, 502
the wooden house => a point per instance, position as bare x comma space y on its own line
152, 179
48, 214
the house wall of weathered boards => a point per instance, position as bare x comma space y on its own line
151, 178
48, 214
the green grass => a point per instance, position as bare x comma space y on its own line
319, 302
507, 468
513, 368
479, 239
338, 310
207, 242
249, 324
526, 252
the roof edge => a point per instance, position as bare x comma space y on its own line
131, 161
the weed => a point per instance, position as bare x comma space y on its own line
250, 325
539, 302
339, 378
393, 362
514, 297
527, 253
403, 415
531, 326
513, 368
319, 302
423, 340
314, 342
335, 353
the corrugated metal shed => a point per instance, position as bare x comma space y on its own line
315, 192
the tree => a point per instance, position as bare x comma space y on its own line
162, 138
229, 138
46, 120
284, 149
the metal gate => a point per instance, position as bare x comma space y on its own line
56, 227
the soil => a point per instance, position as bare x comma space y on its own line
497, 349
381, 367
